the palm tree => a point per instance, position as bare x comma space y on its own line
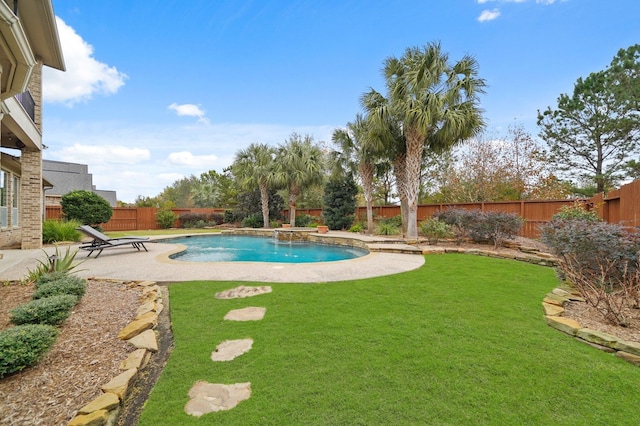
255, 166
300, 163
359, 151
436, 104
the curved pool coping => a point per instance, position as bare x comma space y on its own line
124, 263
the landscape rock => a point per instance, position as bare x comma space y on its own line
630, 347
251, 313
552, 310
107, 401
119, 384
135, 327
597, 337
97, 418
633, 359
231, 349
209, 397
243, 291
136, 359
145, 340
554, 299
566, 325
146, 307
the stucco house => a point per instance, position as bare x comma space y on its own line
28, 41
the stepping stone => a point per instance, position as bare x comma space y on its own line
242, 292
231, 349
209, 397
251, 313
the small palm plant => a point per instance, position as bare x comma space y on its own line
54, 263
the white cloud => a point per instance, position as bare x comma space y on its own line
144, 158
488, 15
85, 75
187, 159
102, 154
189, 110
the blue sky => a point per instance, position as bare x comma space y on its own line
158, 90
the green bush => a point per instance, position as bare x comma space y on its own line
576, 211
50, 310
388, 228
435, 230
253, 221
303, 220
54, 231
70, 284
166, 218
86, 207
356, 228
50, 277
23, 345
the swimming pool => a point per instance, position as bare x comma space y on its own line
243, 248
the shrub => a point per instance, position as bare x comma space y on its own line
303, 220
253, 221
576, 211
70, 284
388, 228
339, 202
54, 231
228, 216
23, 345
166, 218
86, 207
393, 221
495, 227
356, 228
50, 310
613, 291
435, 229
459, 220
50, 277
590, 245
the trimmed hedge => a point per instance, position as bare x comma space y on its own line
70, 284
50, 310
23, 345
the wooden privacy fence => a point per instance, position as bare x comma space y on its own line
534, 212
620, 206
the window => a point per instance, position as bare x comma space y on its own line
3, 198
15, 201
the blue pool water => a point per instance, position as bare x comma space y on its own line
242, 248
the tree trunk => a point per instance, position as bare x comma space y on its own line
293, 196
413, 161
264, 201
399, 169
366, 173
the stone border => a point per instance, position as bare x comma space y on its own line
524, 254
553, 307
140, 333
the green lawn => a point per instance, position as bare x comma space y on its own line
461, 341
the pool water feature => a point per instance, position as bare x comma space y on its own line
244, 248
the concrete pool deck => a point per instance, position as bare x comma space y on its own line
126, 263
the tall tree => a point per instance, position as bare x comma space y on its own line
300, 163
594, 132
254, 167
360, 152
436, 103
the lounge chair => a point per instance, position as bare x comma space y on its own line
101, 241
